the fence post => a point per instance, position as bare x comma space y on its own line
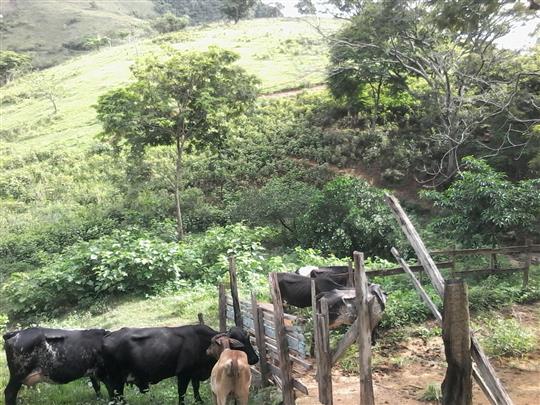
527, 264
324, 355
315, 341
364, 331
350, 281
282, 343
201, 319
457, 384
453, 255
222, 309
238, 321
258, 327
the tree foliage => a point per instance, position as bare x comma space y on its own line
13, 63
168, 22
448, 52
237, 9
483, 206
186, 100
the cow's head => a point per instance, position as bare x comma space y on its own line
235, 339
236, 333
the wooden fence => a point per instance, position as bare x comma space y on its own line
258, 320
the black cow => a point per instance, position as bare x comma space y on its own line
296, 289
144, 356
51, 355
342, 305
339, 274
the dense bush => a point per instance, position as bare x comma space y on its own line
168, 22
349, 215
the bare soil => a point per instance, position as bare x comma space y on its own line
402, 373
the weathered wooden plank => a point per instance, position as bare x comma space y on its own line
489, 251
367, 396
222, 309
489, 271
346, 341
431, 305
324, 360
234, 292
283, 345
417, 244
260, 339
457, 384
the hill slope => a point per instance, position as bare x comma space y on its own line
283, 53
44, 29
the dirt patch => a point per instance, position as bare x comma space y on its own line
402, 373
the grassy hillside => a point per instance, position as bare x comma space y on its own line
41, 28
283, 53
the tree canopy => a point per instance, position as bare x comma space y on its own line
186, 99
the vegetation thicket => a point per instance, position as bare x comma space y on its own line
417, 94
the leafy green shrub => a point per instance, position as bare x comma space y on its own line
404, 307
349, 215
507, 338
168, 22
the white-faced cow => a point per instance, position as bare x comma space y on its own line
144, 356
51, 355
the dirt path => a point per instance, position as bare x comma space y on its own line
402, 374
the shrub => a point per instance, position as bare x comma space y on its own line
349, 215
507, 338
432, 392
168, 22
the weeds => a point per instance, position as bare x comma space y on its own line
507, 338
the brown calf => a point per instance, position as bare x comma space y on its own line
231, 376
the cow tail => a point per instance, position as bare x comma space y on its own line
232, 368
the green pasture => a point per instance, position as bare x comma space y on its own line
283, 53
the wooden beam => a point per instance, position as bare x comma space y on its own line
457, 385
488, 251
364, 331
281, 339
346, 341
234, 292
324, 359
260, 339
417, 244
222, 309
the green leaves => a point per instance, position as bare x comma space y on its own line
482, 205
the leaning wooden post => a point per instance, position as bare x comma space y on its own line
457, 384
527, 265
324, 357
222, 309
282, 343
258, 326
238, 321
364, 331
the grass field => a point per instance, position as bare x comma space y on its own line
40, 28
283, 53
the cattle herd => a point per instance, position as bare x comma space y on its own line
191, 353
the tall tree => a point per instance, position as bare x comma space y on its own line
186, 100
449, 48
237, 9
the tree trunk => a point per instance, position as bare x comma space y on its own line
177, 182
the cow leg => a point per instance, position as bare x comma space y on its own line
214, 399
11, 391
116, 391
95, 386
196, 384
183, 382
